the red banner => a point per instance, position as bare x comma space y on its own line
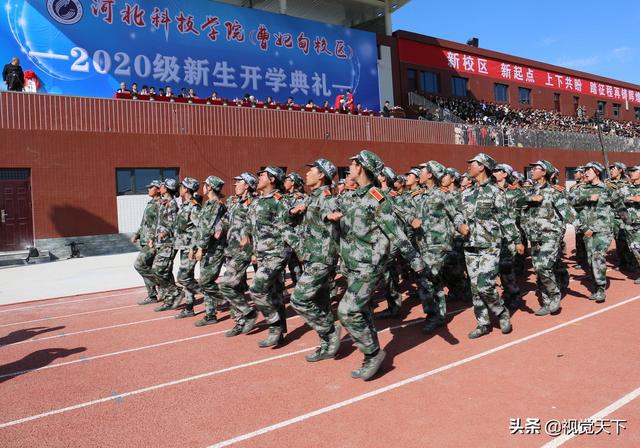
464, 63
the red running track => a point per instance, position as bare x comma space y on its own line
98, 370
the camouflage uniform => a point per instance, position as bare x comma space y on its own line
484, 207
165, 252
581, 252
318, 247
632, 230
146, 232
439, 216
266, 225
625, 258
598, 216
185, 226
209, 223
291, 200
545, 227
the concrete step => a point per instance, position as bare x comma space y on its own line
19, 257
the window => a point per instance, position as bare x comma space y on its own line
525, 95
637, 109
576, 104
135, 180
527, 171
412, 80
570, 174
343, 171
501, 92
556, 102
458, 86
616, 111
602, 107
14, 173
430, 82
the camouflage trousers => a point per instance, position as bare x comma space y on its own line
507, 272
210, 267
234, 285
431, 283
483, 265
294, 266
597, 246
390, 283
143, 264
267, 288
355, 310
581, 250
311, 297
186, 278
455, 274
162, 272
544, 256
633, 238
625, 257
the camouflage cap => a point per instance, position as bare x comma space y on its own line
171, 184
454, 173
197, 197
633, 168
214, 182
401, 178
342, 182
504, 167
414, 170
296, 179
274, 171
388, 172
325, 166
249, 179
484, 159
190, 183
621, 166
595, 165
580, 169
545, 165
517, 175
435, 168
154, 183
370, 161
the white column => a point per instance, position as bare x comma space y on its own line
387, 18
283, 6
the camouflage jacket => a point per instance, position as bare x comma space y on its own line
367, 227
165, 231
267, 224
633, 208
598, 216
484, 207
185, 225
546, 220
209, 223
440, 217
515, 201
319, 242
147, 230
617, 185
233, 222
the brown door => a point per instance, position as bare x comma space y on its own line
16, 219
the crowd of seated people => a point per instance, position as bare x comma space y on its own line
503, 115
342, 105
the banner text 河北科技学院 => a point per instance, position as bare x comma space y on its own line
87, 47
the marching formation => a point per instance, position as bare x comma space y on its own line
432, 227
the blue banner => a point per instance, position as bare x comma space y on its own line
88, 47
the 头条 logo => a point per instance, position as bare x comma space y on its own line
66, 12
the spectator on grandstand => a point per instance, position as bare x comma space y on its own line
183, 93
326, 105
13, 76
214, 96
161, 92
192, 94
386, 109
144, 90
134, 89
290, 103
270, 101
152, 91
123, 88
168, 92
310, 105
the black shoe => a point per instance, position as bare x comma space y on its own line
370, 366
164, 307
148, 301
185, 313
389, 313
543, 311
505, 322
479, 331
206, 320
274, 338
432, 324
236, 330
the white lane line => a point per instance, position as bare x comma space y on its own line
68, 315
8, 310
597, 416
413, 379
182, 380
64, 335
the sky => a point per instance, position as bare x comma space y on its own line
593, 36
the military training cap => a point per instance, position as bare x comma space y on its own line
296, 179
370, 161
595, 165
545, 165
171, 184
215, 183
504, 167
517, 175
415, 171
326, 167
454, 173
580, 169
249, 179
274, 171
621, 166
154, 183
633, 168
401, 178
484, 159
435, 168
190, 183
388, 172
